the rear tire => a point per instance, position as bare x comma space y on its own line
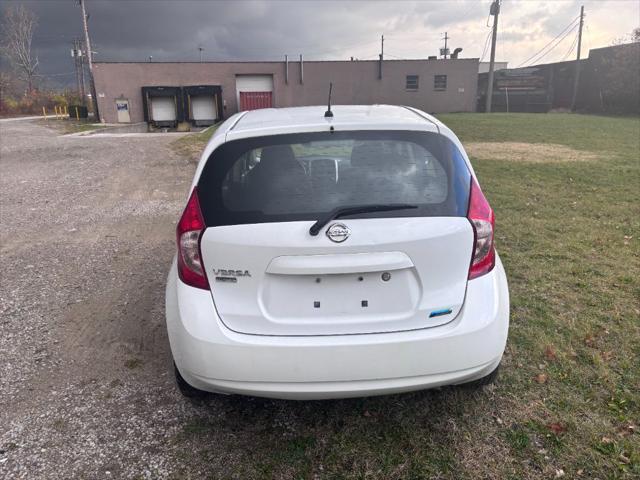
186, 389
484, 381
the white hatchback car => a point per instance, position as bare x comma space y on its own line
328, 257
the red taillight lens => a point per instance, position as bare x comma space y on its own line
188, 233
483, 221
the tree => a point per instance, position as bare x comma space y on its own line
635, 35
18, 25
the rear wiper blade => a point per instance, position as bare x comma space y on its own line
344, 211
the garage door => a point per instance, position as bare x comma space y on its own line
163, 109
254, 91
203, 107
255, 100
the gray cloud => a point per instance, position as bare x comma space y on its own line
253, 30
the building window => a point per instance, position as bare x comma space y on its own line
440, 82
412, 82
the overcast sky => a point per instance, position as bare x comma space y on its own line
253, 30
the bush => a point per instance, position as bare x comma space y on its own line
59, 99
9, 106
32, 103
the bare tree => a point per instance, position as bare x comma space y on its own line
18, 26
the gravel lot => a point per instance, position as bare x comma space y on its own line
86, 389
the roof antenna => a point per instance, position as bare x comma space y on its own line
329, 113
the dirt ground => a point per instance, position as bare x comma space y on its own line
526, 152
87, 235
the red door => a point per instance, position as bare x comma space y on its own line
255, 100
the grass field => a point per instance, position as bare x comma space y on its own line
567, 404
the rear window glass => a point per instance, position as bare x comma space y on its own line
302, 176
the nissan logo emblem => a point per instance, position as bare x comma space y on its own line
338, 232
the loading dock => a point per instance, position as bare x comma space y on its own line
202, 104
162, 106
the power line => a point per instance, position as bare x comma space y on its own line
502, 45
564, 33
401, 36
571, 25
369, 56
538, 59
573, 45
486, 45
37, 38
53, 74
587, 39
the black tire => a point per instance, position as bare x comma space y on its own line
484, 381
188, 390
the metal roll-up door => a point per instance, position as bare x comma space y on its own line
254, 91
163, 109
255, 100
203, 107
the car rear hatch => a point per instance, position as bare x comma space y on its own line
374, 271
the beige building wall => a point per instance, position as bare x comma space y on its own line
353, 83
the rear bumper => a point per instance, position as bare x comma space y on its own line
211, 357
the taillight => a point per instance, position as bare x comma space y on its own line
188, 233
483, 221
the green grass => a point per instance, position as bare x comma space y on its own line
191, 146
569, 236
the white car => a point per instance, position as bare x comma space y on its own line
329, 257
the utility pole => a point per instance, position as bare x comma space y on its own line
75, 53
89, 53
82, 82
495, 11
577, 75
446, 37
381, 57
78, 58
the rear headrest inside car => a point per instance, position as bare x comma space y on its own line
278, 157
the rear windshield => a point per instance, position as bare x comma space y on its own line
293, 177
